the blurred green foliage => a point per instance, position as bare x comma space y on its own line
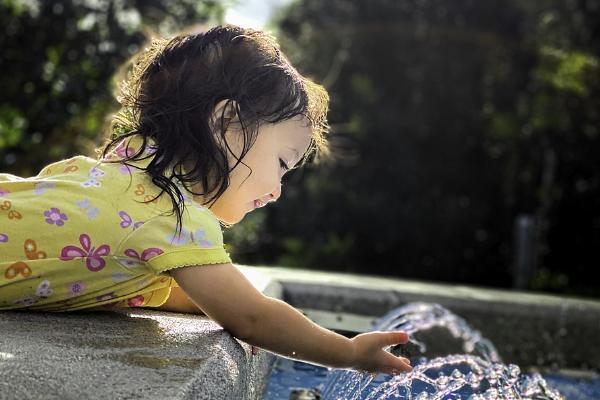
57, 61
449, 119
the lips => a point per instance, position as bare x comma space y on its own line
258, 203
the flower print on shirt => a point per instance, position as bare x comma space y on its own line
126, 221
41, 187
70, 167
124, 151
95, 178
22, 268
198, 237
190, 200
136, 259
141, 191
3, 192
25, 301
85, 204
43, 289
136, 301
3, 238
76, 288
17, 268
93, 257
124, 169
54, 216
119, 276
144, 282
30, 248
6, 205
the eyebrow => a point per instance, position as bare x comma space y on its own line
297, 154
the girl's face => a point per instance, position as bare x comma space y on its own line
277, 148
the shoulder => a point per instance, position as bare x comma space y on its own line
199, 227
158, 243
73, 165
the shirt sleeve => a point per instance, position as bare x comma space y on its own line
156, 244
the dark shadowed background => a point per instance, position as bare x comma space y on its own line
466, 134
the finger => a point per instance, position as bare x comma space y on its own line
400, 363
396, 371
398, 368
391, 338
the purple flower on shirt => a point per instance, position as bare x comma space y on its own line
76, 288
25, 301
54, 216
41, 187
124, 169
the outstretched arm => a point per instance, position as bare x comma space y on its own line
224, 294
179, 301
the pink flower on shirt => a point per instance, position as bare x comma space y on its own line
125, 151
146, 254
54, 216
136, 301
92, 255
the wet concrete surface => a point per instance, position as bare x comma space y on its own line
125, 354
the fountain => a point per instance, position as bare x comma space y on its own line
450, 361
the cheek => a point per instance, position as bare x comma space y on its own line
242, 188
256, 188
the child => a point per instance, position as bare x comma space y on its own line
213, 120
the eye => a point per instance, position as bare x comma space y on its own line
283, 165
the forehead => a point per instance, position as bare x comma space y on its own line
297, 129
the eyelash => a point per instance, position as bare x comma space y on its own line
283, 165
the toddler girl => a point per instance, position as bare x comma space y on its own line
209, 123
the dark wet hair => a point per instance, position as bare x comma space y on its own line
172, 86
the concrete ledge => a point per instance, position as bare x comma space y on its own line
128, 354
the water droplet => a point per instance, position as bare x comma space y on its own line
422, 396
442, 381
456, 374
514, 370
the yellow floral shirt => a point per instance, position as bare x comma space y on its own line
82, 234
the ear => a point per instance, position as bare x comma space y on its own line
227, 109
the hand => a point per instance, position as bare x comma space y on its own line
368, 355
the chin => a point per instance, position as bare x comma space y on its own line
233, 219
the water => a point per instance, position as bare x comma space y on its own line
450, 359
289, 374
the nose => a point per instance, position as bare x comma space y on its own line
274, 195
